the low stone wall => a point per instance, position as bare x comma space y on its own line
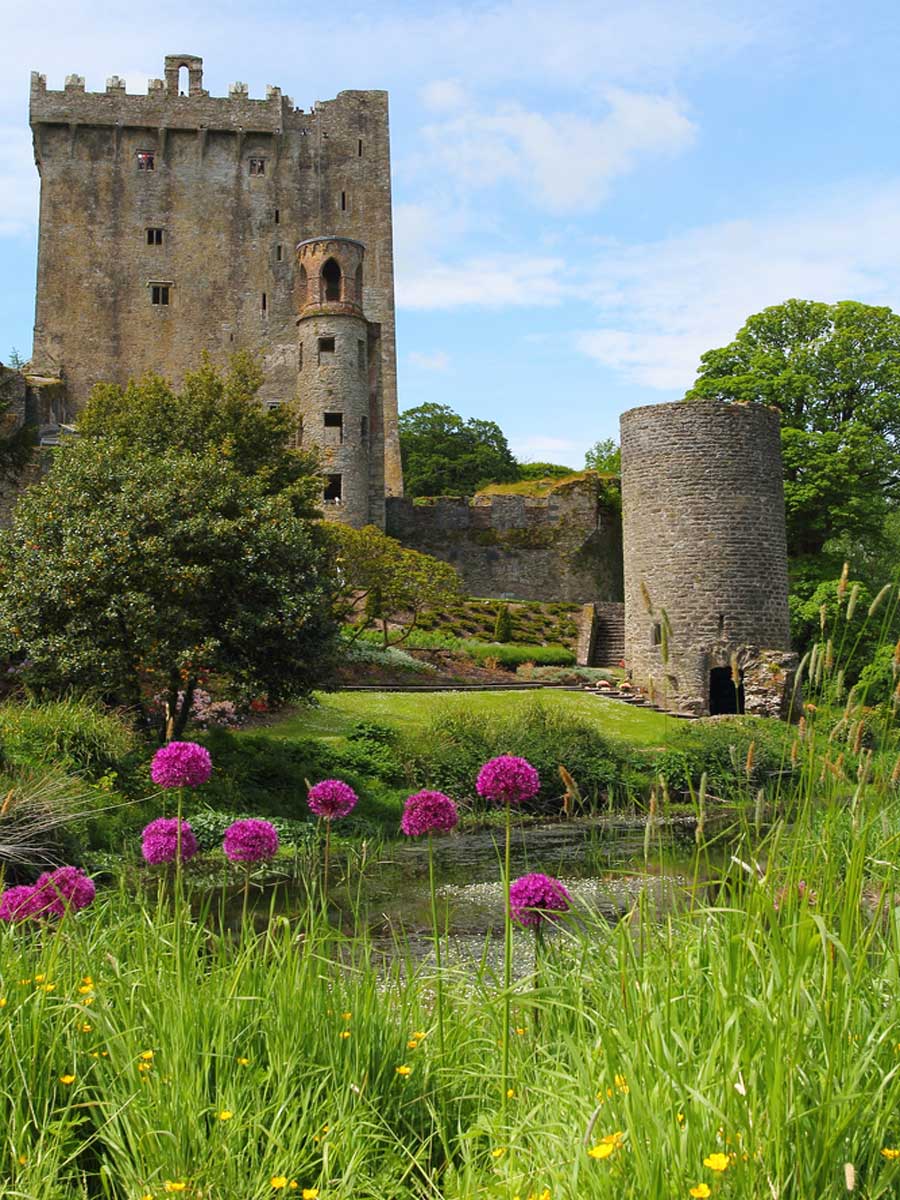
566, 546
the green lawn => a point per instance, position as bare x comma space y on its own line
409, 711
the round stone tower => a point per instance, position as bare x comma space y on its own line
333, 379
705, 555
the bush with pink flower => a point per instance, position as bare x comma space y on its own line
67, 889
159, 841
332, 799
250, 840
181, 764
508, 780
536, 898
428, 812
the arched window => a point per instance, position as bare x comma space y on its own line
184, 80
359, 284
331, 280
302, 285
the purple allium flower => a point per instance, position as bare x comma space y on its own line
532, 897
159, 841
17, 904
250, 841
181, 764
428, 812
508, 780
65, 889
332, 798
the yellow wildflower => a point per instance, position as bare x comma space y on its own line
310, 1193
278, 1182
85, 989
85, 1028
87, 979
520, 1029
243, 1062
67, 1079
716, 1162
621, 1083
418, 1035
146, 1055
499, 1152
39, 978
602, 1150
143, 1066
2, 1002
48, 987
225, 1115
88, 1000
510, 1093
172, 1185
346, 1015
23, 1159
345, 1033
891, 1154
700, 1192
404, 1070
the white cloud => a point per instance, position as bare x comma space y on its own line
664, 303
444, 95
499, 282
438, 361
561, 161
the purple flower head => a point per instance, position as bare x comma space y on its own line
60, 891
181, 764
332, 798
508, 780
17, 904
533, 897
250, 841
159, 841
428, 812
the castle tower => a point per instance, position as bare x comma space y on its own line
705, 557
168, 223
337, 388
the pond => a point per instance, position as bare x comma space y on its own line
601, 861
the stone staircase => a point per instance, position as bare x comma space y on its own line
609, 636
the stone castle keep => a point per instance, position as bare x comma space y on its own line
174, 223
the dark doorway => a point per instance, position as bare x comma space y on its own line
333, 489
724, 697
331, 277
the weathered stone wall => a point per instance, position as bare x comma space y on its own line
564, 547
228, 236
40, 403
705, 552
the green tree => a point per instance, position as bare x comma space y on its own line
604, 456
16, 444
443, 455
544, 470
380, 579
147, 560
833, 372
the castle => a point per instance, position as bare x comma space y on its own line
174, 223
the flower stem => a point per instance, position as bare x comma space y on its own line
437, 946
325, 867
507, 972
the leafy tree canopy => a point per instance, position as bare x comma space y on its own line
833, 371
443, 455
142, 563
604, 456
380, 579
544, 470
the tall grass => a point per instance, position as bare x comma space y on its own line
756, 1018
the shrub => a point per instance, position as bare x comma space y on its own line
721, 750
448, 755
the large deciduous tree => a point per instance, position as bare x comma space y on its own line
381, 579
443, 455
172, 540
833, 371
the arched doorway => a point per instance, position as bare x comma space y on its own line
724, 697
331, 280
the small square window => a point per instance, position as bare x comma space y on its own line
334, 422
257, 166
326, 346
146, 160
333, 489
159, 293
154, 237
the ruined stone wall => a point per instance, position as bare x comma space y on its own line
562, 547
705, 552
228, 235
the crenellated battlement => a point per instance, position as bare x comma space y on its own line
165, 105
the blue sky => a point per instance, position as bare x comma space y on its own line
587, 194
